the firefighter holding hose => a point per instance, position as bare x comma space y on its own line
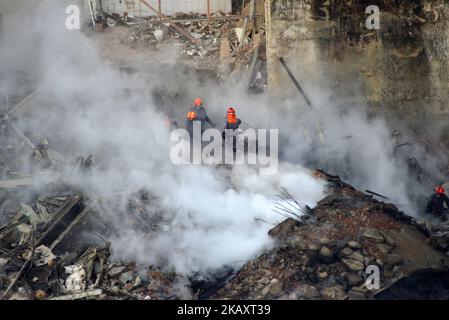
438, 204
197, 113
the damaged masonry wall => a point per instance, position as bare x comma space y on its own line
400, 69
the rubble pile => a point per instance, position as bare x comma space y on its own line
41, 253
325, 255
36, 263
210, 34
208, 40
321, 254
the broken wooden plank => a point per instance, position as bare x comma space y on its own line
16, 278
26, 181
247, 20
69, 228
208, 10
7, 228
92, 13
81, 295
14, 183
173, 25
50, 225
57, 218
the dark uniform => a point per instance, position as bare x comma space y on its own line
197, 114
233, 126
436, 203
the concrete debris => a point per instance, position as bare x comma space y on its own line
327, 257
273, 288
333, 293
373, 234
239, 34
357, 294
323, 257
76, 281
354, 245
353, 264
115, 271
158, 35
305, 292
196, 35
217, 45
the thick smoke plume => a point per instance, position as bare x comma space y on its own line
210, 216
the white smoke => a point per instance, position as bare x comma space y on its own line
212, 214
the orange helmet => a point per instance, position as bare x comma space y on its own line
198, 102
439, 190
191, 115
232, 118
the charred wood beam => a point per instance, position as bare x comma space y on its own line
51, 224
295, 81
69, 228
334, 180
16, 278
377, 194
58, 217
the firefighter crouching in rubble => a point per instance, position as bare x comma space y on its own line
197, 113
436, 203
232, 123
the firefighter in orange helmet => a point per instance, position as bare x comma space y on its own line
197, 113
436, 203
232, 123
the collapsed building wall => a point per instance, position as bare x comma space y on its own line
168, 7
400, 69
